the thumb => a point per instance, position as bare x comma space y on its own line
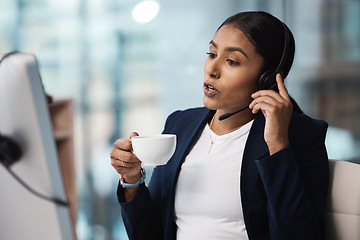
133, 134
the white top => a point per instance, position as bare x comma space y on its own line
207, 198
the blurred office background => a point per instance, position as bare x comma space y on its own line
127, 73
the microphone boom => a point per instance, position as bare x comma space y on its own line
227, 115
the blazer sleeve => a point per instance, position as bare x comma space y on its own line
142, 215
296, 182
139, 216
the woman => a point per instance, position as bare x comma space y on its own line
261, 173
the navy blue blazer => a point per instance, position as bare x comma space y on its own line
283, 195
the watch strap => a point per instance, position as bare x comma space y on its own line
132, 185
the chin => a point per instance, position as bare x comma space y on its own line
209, 105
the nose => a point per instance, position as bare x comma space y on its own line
214, 75
211, 68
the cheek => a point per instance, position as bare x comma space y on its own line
242, 87
253, 84
244, 81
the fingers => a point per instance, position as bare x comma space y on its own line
122, 166
125, 144
133, 134
281, 86
266, 100
123, 160
126, 156
266, 107
270, 100
284, 93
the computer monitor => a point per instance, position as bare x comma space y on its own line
24, 117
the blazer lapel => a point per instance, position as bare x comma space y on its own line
253, 195
187, 137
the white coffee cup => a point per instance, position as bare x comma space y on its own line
154, 150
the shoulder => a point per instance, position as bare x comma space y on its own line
187, 115
303, 122
180, 120
304, 128
189, 112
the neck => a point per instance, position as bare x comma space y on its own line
232, 123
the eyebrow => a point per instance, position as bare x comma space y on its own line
231, 49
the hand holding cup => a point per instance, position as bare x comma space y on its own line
128, 154
124, 161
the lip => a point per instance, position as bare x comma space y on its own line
210, 90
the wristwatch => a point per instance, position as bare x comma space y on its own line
131, 185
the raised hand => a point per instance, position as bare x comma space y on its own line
277, 110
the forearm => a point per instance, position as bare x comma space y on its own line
278, 146
291, 211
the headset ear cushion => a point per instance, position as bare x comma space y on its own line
267, 80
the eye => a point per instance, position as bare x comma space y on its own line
232, 62
211, 55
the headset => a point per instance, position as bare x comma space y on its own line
267, 80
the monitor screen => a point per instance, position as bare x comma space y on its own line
24, 117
